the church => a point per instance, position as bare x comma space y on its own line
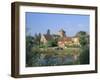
63, 39
66, 40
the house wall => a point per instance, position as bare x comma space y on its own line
76, 41
43, 39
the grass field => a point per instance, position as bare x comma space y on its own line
53, 57
69, 51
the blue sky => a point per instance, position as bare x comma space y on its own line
41, 22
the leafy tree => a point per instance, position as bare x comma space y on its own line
84, 56
52, 43
83, 40
48, 32
37, 38
84, 49
29, 45
81, 33
32, 52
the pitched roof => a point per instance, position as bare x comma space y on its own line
61, 30
65, 39
48, 37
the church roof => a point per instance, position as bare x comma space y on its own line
48, 37
65, 39
61, 30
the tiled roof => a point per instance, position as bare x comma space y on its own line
65, 39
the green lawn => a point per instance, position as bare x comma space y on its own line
50, 51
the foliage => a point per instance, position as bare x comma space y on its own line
39, 54
52, 43
48, 32
84, 56
50, 57
37, 38
80, 33
31, 56
29, 42
84, 49
83, 38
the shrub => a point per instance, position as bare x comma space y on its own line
84, 55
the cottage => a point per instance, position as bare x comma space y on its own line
45, 38
68, 41
62, 39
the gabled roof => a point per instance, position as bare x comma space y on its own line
61, 30
48, 37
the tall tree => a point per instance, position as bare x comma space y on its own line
48, 32
37, 38
84, 49
29, 45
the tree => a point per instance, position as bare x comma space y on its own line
52, 43
84, 56
81, 33
32, 52
84, 49
83, 38
29, 45
37, 38
48, 32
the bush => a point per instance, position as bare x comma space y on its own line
29, 45
84, 55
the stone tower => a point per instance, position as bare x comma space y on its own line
48, 32
62, 33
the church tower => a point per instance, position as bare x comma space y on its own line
62, 33
48, 32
